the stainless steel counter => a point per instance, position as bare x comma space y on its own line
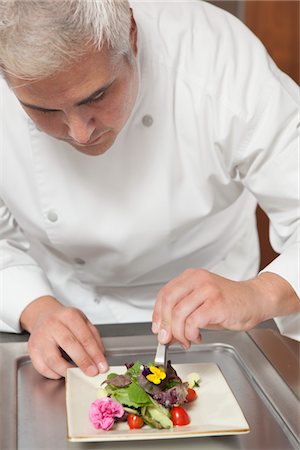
261, 367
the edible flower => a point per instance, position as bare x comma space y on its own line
103, 412
193, 379
156, 376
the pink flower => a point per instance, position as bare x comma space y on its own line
103, 412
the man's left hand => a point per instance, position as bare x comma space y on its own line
199, 299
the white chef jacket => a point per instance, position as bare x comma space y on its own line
212, 132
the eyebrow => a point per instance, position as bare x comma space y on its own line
81, 102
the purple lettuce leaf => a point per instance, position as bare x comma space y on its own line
176, 395
119, 380
148, 387
171, 380
171, 374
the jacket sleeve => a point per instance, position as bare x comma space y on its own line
21, 279
269, 167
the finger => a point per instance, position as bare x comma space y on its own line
156, 315
90, 356
49, 363
102, 364
96, 335
157, 312
43, 369
181, 312
170, 295
66, 339
205, 316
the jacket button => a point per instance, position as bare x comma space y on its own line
147, 120
79, 261
97, 300
52, 216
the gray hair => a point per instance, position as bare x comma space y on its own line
41, 37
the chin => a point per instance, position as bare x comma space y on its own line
93, 150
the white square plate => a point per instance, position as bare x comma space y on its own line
214, 413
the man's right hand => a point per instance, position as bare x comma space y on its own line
52, 327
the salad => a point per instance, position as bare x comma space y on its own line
144, 395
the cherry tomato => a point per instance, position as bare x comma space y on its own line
134, 421
191, 395
179, 416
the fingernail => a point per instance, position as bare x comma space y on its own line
163, 336
154, 328
91, 371
186, 346
103, 367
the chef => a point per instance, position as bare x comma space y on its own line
136, 142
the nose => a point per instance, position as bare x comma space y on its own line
80, 127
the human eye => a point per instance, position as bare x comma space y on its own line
37, 110
96, 99
47, 111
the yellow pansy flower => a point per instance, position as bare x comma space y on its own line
156, 376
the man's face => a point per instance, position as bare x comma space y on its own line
86, 105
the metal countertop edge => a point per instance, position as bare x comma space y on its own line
8, 435
283, 353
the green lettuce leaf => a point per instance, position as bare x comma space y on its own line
132, 395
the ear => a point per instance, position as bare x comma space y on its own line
133, 34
